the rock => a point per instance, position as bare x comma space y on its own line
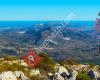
23, 63
7, 76
50, 74
57, 76
60, 69
34, 72
97, 74
20, 74
2, 59
74, 75
62, 72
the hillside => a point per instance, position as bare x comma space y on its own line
70, 43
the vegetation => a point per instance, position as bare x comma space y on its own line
99, 67
68, 61
91, 66
47, 64
36, 78
83, 76
10, 58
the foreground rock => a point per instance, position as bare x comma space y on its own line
7, 76
34, 72
61, 73
20, 75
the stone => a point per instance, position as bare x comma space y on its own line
7, 76
20, 74
57, 76
97, 74
74, 75
34, 72
23, 63
60, 69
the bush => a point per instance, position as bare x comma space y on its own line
46, 63
99, 67
91, 66
83, 76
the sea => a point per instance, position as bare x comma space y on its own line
20, 24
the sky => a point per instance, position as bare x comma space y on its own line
48, 9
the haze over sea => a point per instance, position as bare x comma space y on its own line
26, 24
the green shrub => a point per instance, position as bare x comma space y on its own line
46, 63
99, 67
83, 76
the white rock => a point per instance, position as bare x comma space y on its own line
97, 74
74, 75
23, 63
50, 74
57, 76
19, 74
34, 72
7, 76
61, 69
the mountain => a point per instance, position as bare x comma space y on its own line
69, 43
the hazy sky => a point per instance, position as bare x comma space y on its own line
48, 9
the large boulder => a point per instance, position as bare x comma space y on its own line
60, 69
7, 76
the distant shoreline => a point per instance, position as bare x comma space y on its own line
19, 24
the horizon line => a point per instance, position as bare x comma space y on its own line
47, 20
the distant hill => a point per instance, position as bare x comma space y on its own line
71, 43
